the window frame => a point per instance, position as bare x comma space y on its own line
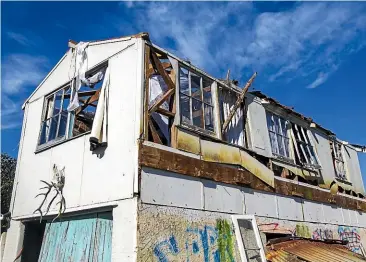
288, 158
239, 239
44, 118
201, 100
66, 137
340, 159
304, 146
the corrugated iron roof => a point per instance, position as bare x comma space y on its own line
311, 250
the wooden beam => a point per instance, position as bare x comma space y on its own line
165, 112
154, 133
161, 71
238, 102
146, 94
151, 70
158, 103
90, 100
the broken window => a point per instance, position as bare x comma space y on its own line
248, 238
305, 153
58, 123
54, 122
196, 100
278, 135
339, 160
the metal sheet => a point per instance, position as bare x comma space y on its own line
297, 171
221, 153
312, 251
187, 142
257, 168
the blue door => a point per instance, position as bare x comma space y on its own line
79, 238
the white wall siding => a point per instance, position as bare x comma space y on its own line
166, 188
258, 132
353, 169
124, 240
96, 53
322, 147
88, 178
223, 198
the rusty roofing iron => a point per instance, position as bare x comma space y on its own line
299, 249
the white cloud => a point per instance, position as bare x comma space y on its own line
21, 39
301, 42
19, 72
322, 77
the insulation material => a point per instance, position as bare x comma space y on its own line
235, 131
81, 66
91, 81
99, 130
157, 88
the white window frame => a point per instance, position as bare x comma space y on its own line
45, 118
201, 100
70, 115
271, 115
239, 239
339, 158
303, 146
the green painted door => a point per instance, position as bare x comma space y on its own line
79, 238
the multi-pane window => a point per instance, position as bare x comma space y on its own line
339, 161
278, 135
195, 100
54, 122
58, 123
304, 149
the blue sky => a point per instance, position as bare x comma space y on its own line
309, 55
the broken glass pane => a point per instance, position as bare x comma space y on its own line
57, 105
185, 109
196, 86
274, 144
53, 128
209, 125
63, 124
281, 148
207, 97
183, 81
197, 113
44, 131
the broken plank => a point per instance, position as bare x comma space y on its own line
158, 103
154, 133
238, 102
161, 71
165, 112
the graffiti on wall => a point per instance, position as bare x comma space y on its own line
351, 235
207, 243
322, 234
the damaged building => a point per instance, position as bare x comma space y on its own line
129, 153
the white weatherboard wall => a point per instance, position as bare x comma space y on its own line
158, 187
89, 180
258, 134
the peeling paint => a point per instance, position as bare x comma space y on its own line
187, 142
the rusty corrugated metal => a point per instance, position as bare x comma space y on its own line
312, 251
